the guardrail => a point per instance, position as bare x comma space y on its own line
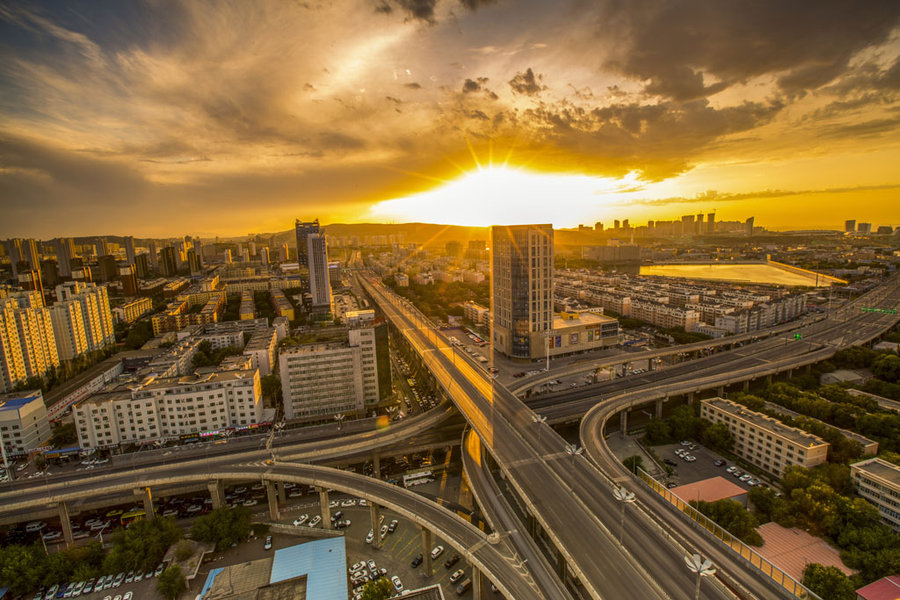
791, 585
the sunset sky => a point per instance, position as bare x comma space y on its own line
162, 117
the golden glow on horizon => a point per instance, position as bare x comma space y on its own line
490, 195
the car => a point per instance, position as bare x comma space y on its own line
457, 575
398, 585
315, 521
436, 551
301, 520
416, 561
370, 537
719, 463
393, 525
451, 561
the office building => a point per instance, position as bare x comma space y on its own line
521, 289
65, 252
878, 481
129, 249
82, 320
766, 442
321, 380
303, 230
167, 263
850, 226
23, 423
319, 286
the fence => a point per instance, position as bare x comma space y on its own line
791, 585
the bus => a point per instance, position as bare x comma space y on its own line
132, 515
414, 479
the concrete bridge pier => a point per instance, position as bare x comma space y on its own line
272, 497
427, 544
324, 508
216, 492
63, 509
147, 497
375, 519
623, 423
376, 466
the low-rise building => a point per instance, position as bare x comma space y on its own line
878, 481
764, 441
23, 422
321, 380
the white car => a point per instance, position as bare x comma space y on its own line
436, 551
300, 520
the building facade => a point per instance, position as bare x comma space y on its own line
521, 288
325, 379
764, 441
878, 481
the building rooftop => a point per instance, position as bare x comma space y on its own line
709, 490
881, 469
793, 434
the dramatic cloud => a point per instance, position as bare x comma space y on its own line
156, 115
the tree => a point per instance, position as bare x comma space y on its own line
380, 589
718, 436
828, 582
657, 432
633, 463
223, 526
171, 583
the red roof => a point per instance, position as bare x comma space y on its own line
709, 490
793, 549
887, 588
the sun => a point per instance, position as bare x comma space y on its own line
493, 195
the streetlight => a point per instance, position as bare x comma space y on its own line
625, 497
573, 450
703, 568
539, 420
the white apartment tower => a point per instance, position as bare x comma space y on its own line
521, 288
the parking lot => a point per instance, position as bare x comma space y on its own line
702, 468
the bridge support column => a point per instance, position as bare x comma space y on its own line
562, 569
427, 544
623, 423
272, 497
146, 496
216, 492
747, 386
659, 408
476, 583
63, 509
282, 495
376, 466
324, 508
375, 519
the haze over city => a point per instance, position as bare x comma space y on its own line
156, 118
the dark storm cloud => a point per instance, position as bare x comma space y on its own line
527, 83
680, 48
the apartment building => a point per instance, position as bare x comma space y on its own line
764, 441
23, 422
321, 380
878, 481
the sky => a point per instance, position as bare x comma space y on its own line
159, 117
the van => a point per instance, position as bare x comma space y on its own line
463, 587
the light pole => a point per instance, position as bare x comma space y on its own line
703, 568
573, 450
625, 497
539, 420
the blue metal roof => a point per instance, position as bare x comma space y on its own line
210, 579
324, 562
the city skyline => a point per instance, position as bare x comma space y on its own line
156, 118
